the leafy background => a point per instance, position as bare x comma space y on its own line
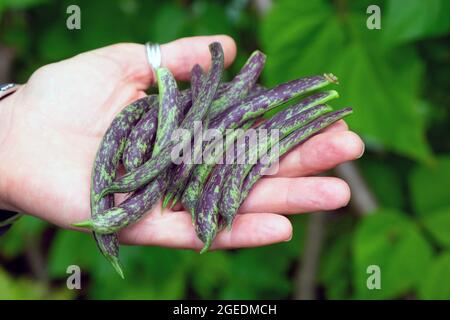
397, 80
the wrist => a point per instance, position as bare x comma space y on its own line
6, 113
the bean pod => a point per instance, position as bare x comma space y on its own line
104, 171
241, 85
294, 139
255, 106
144, 199
206, 218
194, 188
150, 169
138, 147
285, 122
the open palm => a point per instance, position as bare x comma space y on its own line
58, 118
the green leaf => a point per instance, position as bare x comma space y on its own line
389, 240
169, 23
438, 224
21, 288
72, 248
250, 275
210, 18
382, 86
17, 34
415, 20
334, 271
436, 282
158, 273
13, 242
253, 276
384, 180
57, 44
211, 272
294, 248
150, 273
102, 32
339, 290
19, 4
430, 186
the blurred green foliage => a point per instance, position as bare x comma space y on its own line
397, 81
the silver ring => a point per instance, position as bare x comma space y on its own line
7, 88
153, 54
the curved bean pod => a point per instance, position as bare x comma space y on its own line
196, 81
244, 83
150, 169
143, 200
104, 171
193, 190
208, 88
285, 122
255, 106
241, 85
169, 111
138, 147
132, 209
294, 139
139, 144
206, 218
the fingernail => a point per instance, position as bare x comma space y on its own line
362, 151
289, 239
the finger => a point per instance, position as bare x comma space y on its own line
174, 229
179, 56
322, 152
340, 125
182, 54
297, 195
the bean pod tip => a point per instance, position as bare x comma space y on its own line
87, 224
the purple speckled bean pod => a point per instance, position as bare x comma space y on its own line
257, 90
208, 89
138, 148
294, 139
285, 122
104, 171
150, 169
194, 188
184, 171
206, 218
169, 112
255, 106
133, 208
241, 85
143, 200
196, 81
139, 145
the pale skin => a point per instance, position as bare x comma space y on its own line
51, 128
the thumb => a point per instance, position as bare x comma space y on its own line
178, 56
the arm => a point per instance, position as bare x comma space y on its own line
6, 217
6, 97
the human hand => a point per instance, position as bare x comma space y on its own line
55, 122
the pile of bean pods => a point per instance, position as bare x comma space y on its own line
140, 139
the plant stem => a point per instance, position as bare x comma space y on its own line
363, 200
306, 274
